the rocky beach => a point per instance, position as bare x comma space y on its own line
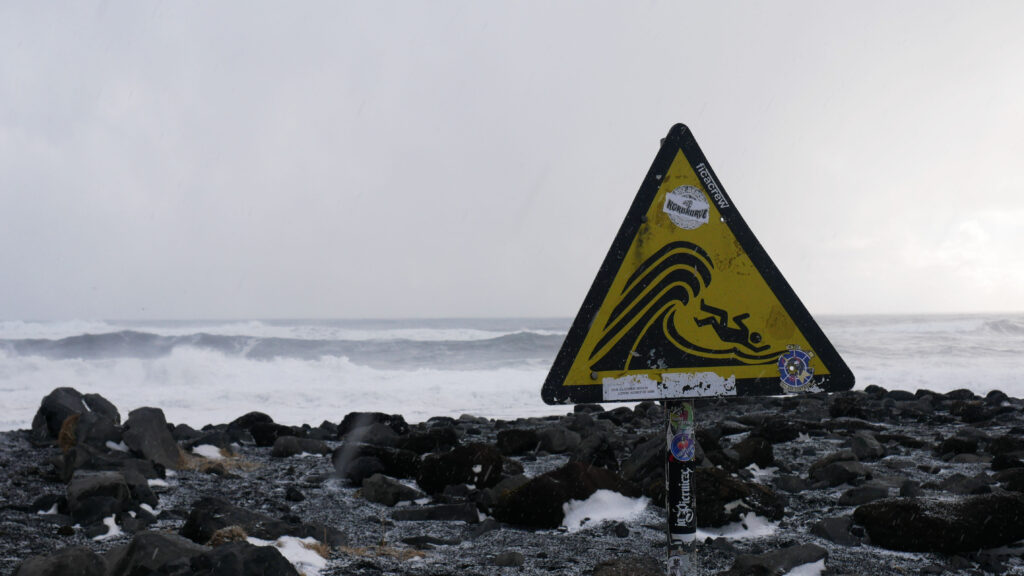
868, 482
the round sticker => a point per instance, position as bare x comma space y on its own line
683, 447
795, 368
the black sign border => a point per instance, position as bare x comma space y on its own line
680, 138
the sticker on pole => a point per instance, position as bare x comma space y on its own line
688, 304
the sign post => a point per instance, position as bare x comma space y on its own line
688, 304
680, 500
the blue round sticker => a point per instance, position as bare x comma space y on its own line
795, 368
683, 447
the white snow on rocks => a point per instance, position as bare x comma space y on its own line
750, 526
208, 451
112, 529
298, 551
812, 569
603, 505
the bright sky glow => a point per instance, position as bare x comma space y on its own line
391, 159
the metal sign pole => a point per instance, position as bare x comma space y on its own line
679, 487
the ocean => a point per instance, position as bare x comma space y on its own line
308, 371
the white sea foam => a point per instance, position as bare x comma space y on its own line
198, 386
448, 373
352, 330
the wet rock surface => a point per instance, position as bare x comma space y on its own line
871, 482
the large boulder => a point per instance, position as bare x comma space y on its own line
559, 439
517, 441
478, 464
242, 559
356, 420
750, 450
947, 526
433, 439
539, 502
356, 462
149, 551
147, 434
388, 491
266, 433
247, 421
722, 498
97, 430
60, 404
76, 561
599, 449
286, 446
93, 496
210, 514
780, 561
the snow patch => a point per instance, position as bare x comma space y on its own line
158, 482
208, 451
298, 552
51, 511
750, 526
812, 569
112, 529
118, 447
603, 505
761, 474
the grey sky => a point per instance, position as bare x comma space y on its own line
375, 159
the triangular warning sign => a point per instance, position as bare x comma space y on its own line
687, 303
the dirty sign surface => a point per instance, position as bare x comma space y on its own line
687, 303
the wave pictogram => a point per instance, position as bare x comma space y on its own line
643, 331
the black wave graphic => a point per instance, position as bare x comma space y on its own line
641, 333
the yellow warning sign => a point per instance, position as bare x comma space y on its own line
688, 304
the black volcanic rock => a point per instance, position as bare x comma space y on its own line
357, 462
599, 448
355, 420
146, 433
433, 439
539, 502
931, 525
266, 433
77, 561
286, 446
780, 429
303, 496
777, 561
388, 491
722, 499
559, 439
93, 496
517, 441
241, 559
479, 464
750, 450
148, 552
836, 530
865, 446
247, 421
459, 512
55, 408
210, 514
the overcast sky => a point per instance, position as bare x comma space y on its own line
433, 159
